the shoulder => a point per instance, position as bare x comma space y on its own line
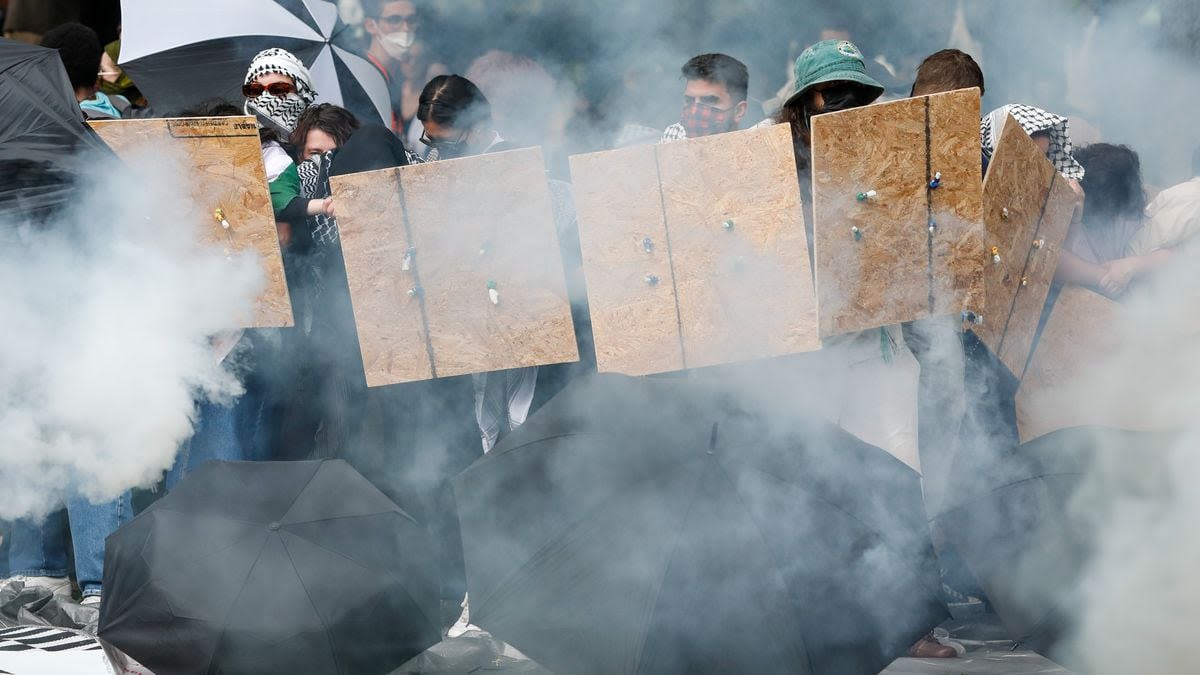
275, 159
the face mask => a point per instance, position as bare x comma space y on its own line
705, 120
283, 111
397, 44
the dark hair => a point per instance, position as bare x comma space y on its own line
947, 70
333, 120
453, 101
213, 107
373, 9
1112, 182
719, 69
80, 50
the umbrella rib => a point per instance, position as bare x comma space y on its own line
397, 510
301, 491
225, 619
1005, 486
328, 637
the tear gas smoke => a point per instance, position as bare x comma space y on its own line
108, 311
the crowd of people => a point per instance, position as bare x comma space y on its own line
305, 395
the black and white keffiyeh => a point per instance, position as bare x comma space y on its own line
1033, 120
284, 111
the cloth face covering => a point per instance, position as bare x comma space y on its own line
705, 120
283, 110
397, 44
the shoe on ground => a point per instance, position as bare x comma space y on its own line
929, 648
60, 586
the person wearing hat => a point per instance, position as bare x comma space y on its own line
278, 88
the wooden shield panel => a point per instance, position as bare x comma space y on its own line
467, 227
1027, 211
906, 249
738, 249
627, 261
695, 253
1078, 335
228, 174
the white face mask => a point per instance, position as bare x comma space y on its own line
397, 44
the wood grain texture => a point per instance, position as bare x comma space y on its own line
488, 219
228, 173
744, 291
896, 272
391, 331
472, 221
1039, 203
618, 205
1078, 337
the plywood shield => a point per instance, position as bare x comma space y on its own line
454, 268
695, 253
893, 241
1027, 208
228, 177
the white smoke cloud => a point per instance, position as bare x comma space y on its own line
107, 312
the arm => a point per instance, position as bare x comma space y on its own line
1123, 271
1075, 270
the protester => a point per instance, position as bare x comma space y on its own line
714, 97
1172, 219
322, 128
947, 70
81, 53
398, 53
1112, 216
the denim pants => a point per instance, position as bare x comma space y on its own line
216, 437
41, 549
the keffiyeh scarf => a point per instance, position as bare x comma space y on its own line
1033, 120
283, 111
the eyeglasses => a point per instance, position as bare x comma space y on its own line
441, 142
254, 89
395, 20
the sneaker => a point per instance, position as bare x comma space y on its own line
60, 586
91, 601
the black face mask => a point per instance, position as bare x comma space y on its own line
839, 97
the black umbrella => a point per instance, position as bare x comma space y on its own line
182, 53
41, 127
271, 567
646, 526
1013, 522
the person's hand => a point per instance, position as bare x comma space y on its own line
319, 206
284, 232
329, 206
1118, 274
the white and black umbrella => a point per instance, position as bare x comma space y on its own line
182, 53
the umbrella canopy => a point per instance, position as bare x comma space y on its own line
182, 53
271, 567
645, 526
1012, 520
41, 126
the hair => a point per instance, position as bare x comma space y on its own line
453, 101
947, 70
719, 69
1112, 182
333, 120
214, 107
80, 50
373, 9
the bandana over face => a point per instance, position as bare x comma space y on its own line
700, 120
282, 110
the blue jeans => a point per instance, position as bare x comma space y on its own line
216, 437
41, 549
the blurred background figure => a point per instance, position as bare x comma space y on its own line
396, 49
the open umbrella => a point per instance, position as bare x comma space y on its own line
41, 127
1013, 522
181, 53
645, 526
271, 567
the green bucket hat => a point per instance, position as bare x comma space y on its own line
831, 61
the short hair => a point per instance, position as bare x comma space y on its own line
80, 50
947, 70
719, 69
1112, 182
373, 9
332, 119
453, 101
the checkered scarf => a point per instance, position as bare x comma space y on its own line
699, 120
1033, 120
283, 111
